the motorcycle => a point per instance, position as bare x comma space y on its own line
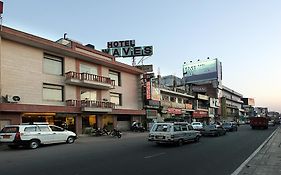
116, 133
98, 132
137, 127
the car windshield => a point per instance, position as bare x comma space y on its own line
196, 123
161, 128
10, 129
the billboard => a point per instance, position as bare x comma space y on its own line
206, 70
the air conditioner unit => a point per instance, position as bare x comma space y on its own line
13, 98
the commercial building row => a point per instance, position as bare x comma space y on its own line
70, 84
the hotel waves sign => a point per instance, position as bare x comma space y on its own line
127, 48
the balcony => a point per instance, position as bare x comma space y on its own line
91, 105
89, 80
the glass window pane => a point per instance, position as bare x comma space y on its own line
52, 65
88, 69
88, 95
52, 92
115, 98
115, 76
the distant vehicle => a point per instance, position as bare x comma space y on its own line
259, 122
176, 132
271, 123
33, 135
213, 130
230, 126
137, 127
197, 125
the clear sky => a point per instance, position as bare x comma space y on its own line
245, 35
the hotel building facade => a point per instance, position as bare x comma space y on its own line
65, 83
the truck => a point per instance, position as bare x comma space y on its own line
259, 122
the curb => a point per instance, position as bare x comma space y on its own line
240, 168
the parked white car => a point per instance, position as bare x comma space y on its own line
197, 125
177, 132
33, 135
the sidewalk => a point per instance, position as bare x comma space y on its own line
268, 159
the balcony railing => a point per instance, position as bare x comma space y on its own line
92, 105
89, 80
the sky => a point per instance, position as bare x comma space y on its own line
245, 35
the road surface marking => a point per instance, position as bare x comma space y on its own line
154, 155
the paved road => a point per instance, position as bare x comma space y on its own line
135, 156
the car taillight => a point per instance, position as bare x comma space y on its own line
17, 136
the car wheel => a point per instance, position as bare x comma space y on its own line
70, 140
180, 142
33, 144
196, 139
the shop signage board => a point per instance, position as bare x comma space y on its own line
200, 114
174, 111
146, 68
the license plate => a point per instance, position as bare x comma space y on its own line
6, 136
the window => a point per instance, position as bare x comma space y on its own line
55, 128
177, 128
44, 128
52, 64
10, 130
183, 127
173, 99
190, 127
88, 95
52, 92
116, 77
165, 97
88, 69
180, 100
161, 128
116, 98
30, 129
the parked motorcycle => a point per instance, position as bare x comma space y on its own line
137, 127
97, 132
116, 133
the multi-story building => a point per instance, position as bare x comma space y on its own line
231, 104
65, 83
176, 103
249, 106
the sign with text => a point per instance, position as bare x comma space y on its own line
127, 48
146, 68
148, 90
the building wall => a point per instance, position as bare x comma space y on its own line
129, 91
22, 66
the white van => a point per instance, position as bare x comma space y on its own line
177, 132
33, 135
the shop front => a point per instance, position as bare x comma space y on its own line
201, 116
67, 121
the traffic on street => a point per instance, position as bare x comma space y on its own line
134, 154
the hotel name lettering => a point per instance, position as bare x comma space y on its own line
127, 48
